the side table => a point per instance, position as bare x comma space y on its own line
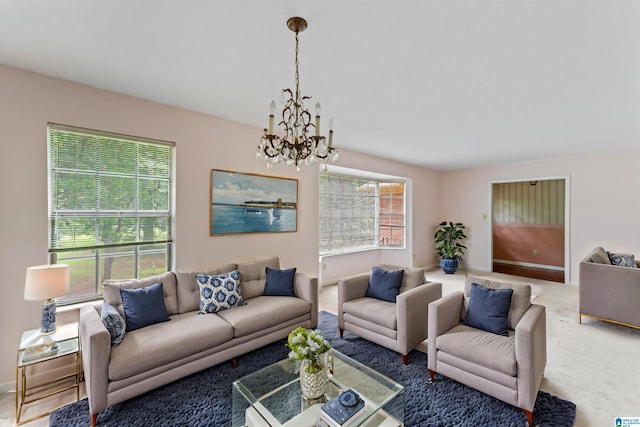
66, 337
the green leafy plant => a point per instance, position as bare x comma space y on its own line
307, 345
448, 236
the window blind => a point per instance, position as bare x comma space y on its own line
110, 202
358, 213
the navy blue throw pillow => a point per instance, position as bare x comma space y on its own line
280, 282
384, 284
489, 309
144, 306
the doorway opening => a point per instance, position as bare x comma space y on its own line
528, 228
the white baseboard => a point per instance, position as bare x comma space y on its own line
7, 387
528, 264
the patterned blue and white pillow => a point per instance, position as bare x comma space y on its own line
622, 260
219, 292
114, 323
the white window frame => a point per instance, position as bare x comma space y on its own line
376, 179
99, 251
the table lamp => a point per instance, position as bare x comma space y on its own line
46, 282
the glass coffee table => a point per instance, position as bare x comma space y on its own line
271, 396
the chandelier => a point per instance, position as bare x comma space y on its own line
301, 142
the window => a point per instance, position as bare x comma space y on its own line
360, 213
110, 207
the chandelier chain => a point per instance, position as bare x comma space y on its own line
297, 64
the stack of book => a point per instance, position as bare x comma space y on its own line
342, 411
39, 351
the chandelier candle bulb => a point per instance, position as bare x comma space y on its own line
330, 132
317, 119
272, 108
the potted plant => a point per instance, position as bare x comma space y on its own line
448, 247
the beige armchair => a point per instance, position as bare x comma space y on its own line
609, 292
398, 326
509, 368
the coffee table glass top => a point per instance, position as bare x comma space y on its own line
274, 392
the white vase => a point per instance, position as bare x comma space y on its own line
313, 385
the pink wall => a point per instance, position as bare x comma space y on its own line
28, 101
603, 207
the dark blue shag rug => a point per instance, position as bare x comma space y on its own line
204, 399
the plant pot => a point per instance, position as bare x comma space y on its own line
449, 265
313, 385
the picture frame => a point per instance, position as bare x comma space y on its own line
251, 203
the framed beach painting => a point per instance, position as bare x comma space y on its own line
252, 203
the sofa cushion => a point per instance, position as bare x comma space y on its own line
188, 289
520, 300
600, 256
622, 260
253, 276
219, 292
374, 310
489, 309
143, 306
279, 282
384, 284
412, 277
114, 323
162, 343
480, 347
111, 292
263, 312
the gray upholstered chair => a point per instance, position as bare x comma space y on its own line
398, 326
509, 368
609, 292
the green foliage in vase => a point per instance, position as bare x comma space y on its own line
306, 347
447, 238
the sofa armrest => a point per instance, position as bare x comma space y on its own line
412, 311
96, 348
350, 288
531, 354
306, 287
609, 292
444, 314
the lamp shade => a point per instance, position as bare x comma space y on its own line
46, 282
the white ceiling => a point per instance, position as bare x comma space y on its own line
443, 84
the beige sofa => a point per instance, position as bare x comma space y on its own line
161, 353
609, 292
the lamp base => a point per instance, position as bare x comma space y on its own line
48, 319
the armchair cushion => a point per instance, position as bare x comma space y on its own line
623, 260
373, 310
492, 351
520, 300
412, 277
384, 284
144, 306
600, 256
279, 282
489, 309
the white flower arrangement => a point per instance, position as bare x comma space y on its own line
307, 345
